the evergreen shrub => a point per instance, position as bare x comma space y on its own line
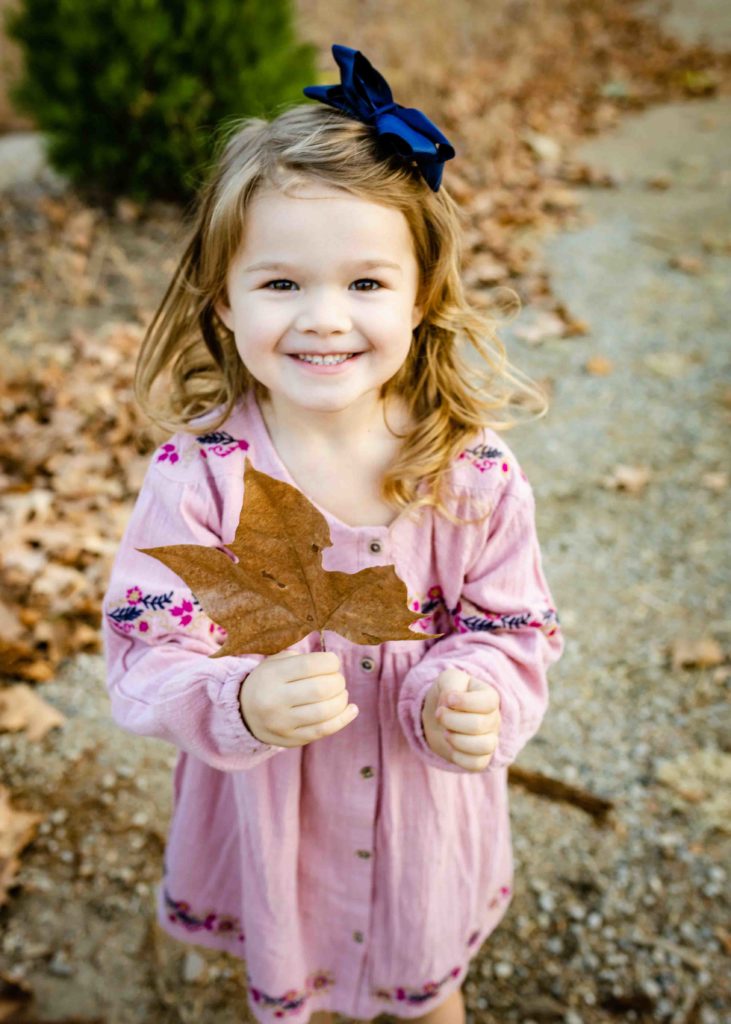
129, 93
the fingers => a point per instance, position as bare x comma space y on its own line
475, 745
316, 690
472, 737
473, 764
463, 721
324, 716
316, 663
484, 699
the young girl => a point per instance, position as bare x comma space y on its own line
339, 823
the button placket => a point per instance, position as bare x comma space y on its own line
367, 665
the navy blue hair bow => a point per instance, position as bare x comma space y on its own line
365, 94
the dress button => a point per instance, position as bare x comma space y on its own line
367, 664
366, 772
358, 936
365, 854
375, 546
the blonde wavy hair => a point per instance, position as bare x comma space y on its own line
449, 400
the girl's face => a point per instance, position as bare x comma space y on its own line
322, 273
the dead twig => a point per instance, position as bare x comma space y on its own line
563, 792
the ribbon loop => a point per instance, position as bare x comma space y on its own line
365, 95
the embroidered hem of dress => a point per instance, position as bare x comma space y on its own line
217, 941
333, 1003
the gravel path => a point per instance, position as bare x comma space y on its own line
634, 919
626, 921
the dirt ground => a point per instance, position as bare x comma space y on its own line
626, 919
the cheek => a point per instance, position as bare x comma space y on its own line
391, 323
258, 327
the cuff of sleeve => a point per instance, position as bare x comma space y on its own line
237, 739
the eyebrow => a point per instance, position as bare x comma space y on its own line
370, 264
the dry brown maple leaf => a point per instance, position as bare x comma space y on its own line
17, 829
278, 592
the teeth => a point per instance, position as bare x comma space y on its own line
325, 360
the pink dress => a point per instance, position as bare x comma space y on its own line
362, 872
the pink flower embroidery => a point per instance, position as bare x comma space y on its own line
134, 595
168, 453
221, 443
183, 612
483, 457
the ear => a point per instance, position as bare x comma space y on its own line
416, 317
224, 313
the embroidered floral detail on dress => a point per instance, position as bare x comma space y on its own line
484, 457
220, 443
168, 453
137, 603
291, 1001
478, 621
500, 896
431, 988
428, 990
180, 453
140, 612
433, 608
217, 442
180, 912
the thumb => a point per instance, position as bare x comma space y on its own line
449, 681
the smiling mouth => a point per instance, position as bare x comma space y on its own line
329, 360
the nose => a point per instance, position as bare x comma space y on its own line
323, 311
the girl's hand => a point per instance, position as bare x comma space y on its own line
467, 733
291, 699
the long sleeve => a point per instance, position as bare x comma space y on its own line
506, 633
157, 639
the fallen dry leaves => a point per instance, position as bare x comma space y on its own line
70, 467
22, 709
17, 829
701, 777
599, 366
696, 652
633, 479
